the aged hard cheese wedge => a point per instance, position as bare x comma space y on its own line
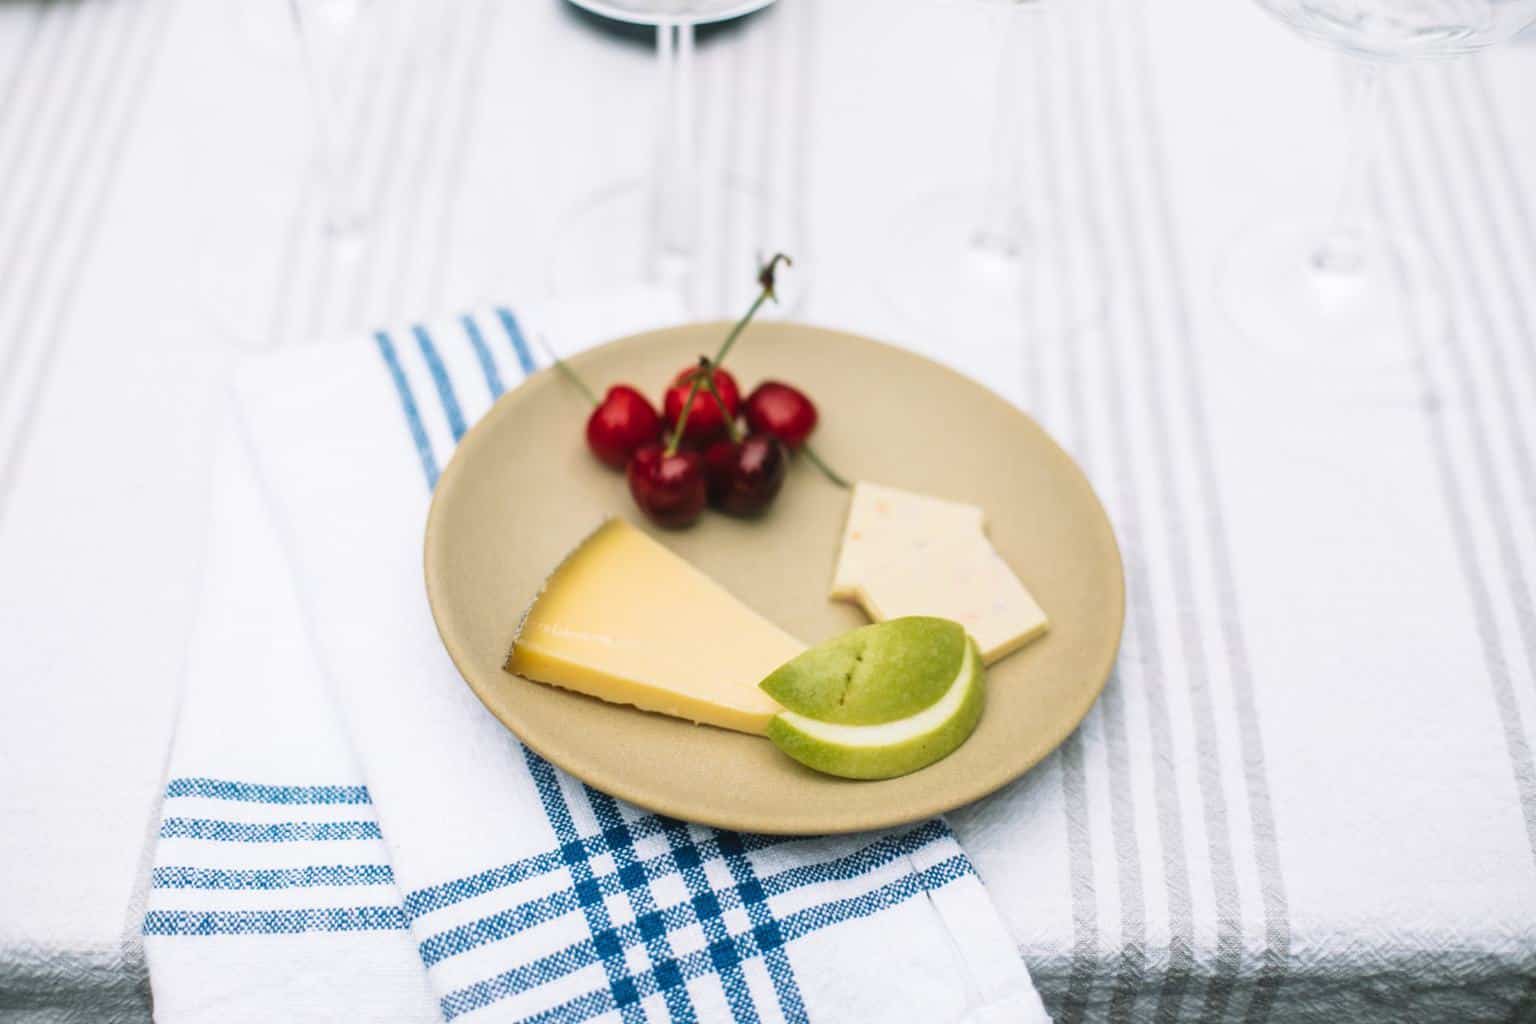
963, 578
887, 524
621, 619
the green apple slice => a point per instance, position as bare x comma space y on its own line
881, 701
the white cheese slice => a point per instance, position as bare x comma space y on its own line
887, 525
963, 578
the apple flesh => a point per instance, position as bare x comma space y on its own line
881, 701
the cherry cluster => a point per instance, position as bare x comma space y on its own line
696, 452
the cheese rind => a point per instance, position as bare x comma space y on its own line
622, 618
963, 578
887, 524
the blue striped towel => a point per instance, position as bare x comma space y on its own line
348, 834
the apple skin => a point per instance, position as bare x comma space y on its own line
890, 761
873, 674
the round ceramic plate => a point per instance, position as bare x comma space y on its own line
522, 491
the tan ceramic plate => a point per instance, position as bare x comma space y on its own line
521, 491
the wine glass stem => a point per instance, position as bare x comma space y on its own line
328, 31
1341, 252
1004, 213
676, 166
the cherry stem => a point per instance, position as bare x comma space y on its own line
704, 372
765, 278
731, 429
828, 471
570, 374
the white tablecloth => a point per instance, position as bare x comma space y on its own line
1307, 794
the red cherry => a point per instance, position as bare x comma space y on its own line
744, 478
706, 421
783, 411
622, 422
668, 488
719, 467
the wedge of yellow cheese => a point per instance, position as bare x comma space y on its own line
625, 620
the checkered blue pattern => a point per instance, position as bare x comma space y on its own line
626, 915
656, 906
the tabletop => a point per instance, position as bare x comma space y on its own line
1225, 851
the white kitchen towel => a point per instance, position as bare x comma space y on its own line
526, 894
267, 828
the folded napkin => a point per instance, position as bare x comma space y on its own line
341, 807
267, 829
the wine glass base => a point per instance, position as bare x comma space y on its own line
249, 267
649, 12
1367, 320
239, 268
609, 242
943, 276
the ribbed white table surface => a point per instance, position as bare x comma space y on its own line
1309, 792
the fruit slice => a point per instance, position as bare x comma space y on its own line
881, 701
886, 524
625, 620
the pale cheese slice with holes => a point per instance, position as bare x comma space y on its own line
962, 578
887, 524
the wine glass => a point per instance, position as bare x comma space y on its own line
989, 259
651, 230
1341, 284
347, 51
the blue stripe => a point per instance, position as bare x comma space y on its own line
273, 922
754, 894
261, 832
709, 911
813, 919
445, 945
506, 923
252, 792
523, 977
515, 335
861, 862
181, 877
670, 920
408, 404
451, 410
483, 353
446, 894
424, 901
573, 851
383, 918
760, 940
636, 885
593, 1004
